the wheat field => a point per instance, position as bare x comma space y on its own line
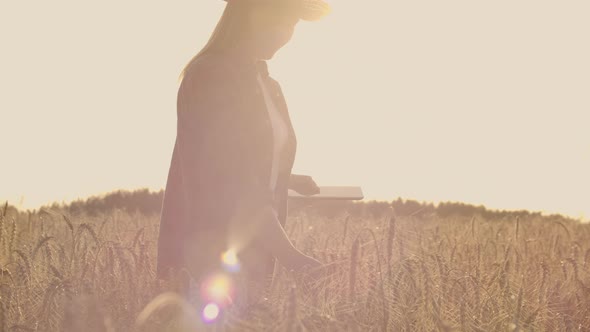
394, 273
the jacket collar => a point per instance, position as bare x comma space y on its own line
262, 68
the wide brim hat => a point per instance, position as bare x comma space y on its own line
308, 10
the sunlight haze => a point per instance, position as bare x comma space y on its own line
479, 102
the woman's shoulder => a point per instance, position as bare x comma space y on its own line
207, 81
210, 68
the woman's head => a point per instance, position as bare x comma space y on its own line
257, 28
270, 27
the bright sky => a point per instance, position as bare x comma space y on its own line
484, 102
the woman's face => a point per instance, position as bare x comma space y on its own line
272, 27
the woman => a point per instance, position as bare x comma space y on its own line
234, 150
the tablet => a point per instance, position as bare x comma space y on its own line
332, 192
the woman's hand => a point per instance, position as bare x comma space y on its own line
303, 185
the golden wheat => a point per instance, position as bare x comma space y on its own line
75, 273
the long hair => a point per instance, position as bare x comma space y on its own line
229, 31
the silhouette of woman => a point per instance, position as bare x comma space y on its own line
227, 184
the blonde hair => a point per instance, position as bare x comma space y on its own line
231, 28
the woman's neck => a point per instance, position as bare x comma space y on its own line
244, 54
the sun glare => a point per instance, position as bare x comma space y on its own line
210, 312
217, 288
230, 260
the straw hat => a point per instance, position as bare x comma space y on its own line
309, 10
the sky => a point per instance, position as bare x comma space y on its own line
483, 102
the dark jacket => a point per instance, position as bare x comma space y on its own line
222, 153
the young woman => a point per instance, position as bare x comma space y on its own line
235, 146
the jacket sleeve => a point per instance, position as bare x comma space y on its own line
219, 170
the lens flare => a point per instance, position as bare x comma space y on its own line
217, 288
230, 260
210, 312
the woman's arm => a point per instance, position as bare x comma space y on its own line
292, 181
217, 164
215, 157
275, 239
264, 227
